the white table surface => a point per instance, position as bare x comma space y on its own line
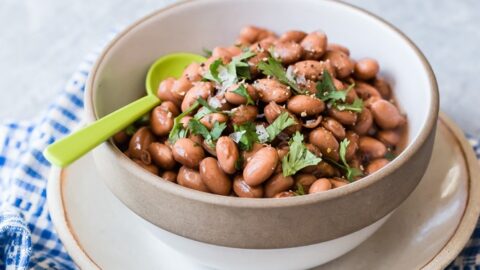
42, 43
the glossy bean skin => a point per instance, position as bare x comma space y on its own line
213, 177
305, 105
340, 61
284, 194
345, 117
243, 190
386, 115
140, 142
305, 179
165, 90
170, 176
170, 107
287, 52
320, 185
227, 154
334, 127
193, 72
352, 147
222, 53
311, 69
272, 111
364, 122
383, 88
276, 184
261, 166
371, 147
338, 47
389, 137
247, 155
338, 182
376, 165
366, 69
150, 167
236, 99
313, 123
187, 152
272, 90
210, 119
120, 138
366, 91
326, 141
161, 155
293, 35
199, 90
314, 45
161, 121
251, 34
243, 114
191, 178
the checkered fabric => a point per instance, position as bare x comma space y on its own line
27, 237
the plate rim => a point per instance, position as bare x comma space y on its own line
448, 253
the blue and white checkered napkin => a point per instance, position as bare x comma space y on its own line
27, 236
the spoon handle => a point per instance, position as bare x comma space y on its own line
67, 150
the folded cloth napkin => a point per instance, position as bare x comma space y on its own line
27, 236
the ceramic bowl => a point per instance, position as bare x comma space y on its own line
318, 227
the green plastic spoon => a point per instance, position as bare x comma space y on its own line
67, 150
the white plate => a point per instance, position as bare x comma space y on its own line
427, 231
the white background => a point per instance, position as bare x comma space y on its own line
43, 41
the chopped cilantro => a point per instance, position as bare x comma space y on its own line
210, 137
300, 190
206, 52
298, 156
178, 131
336, 98
281, 122
228, 74
390, 156
245, 135
274, 68
350, 173
242, 91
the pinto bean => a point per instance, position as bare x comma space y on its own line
213, 176
293, 35
162, 155
237, 99
222, 53
120, 138
169, 176
376, 165
304, 179
287, 52
243, 190
277, 184
272, 111
344, 117
322, 184
326, 141
139, 142
338, 182
338, 47
340, 61
371, 147
169, 106
243, 114
383, 88
149, 167
305, 105
199, 90
190, 178
227, 154
261, 166
255, 60
366, 91
352, 147
313, 123
364, 122
161, 121
366, 69
251, 34
314, 45
386, 115
193, 72
272, 90
389, 137
247, 155
166, 91
210, 119
311, 69
284, 194
187, 152
185, 121
334, 127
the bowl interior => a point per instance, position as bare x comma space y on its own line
193, 25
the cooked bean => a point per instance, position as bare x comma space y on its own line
376, 165
222, 53
213, 176
338, 47
243, 190
251, 34
389, 137
305, 105
169, 176
334, 127
219, 102
287, 52
344, 117
169, 106
187, 152
149, 167
237, 99
161, 155
261, 166
293, 35
243, 114
247, 155
304, 179
366, 69
165, 90
210, 119
161, 121
185, 121
366, 91
199, 90
140, 142
209, 148
313, 123
383, 88
227, 154
386, 115
272, 90
325, 140
364, 122
193, 72
352, 147
371, 147
311, 69
338, 182
272, 111
322, 184
190, 178
323, 169
253, 62
341, 62
284, 194
314, 45
277, 184
120, 137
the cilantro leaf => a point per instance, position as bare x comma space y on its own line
213, 74
206, 109
390, 156
281, 122
178, 131
206, 52
327, 92
130, 130
242, 91
356, 106
300, 190
245, 135
298, 156
228, 74
350, 173
274, 68
196, 127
